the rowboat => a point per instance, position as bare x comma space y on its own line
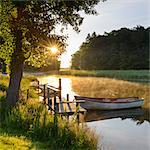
110, 103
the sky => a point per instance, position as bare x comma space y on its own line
112, 15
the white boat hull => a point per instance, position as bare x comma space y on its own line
111, 106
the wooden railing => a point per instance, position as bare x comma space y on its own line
53, 100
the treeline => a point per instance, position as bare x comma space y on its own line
119, 49
53, 64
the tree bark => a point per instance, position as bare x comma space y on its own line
16, 70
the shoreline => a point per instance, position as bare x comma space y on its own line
137, 76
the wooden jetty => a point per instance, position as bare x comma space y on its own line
53, 100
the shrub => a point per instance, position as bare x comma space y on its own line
33, 119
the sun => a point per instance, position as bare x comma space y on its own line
54, 49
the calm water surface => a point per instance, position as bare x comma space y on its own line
117, 130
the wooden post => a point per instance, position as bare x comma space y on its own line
44, 93
55, 100
77, 104
67, 97
57, 107
55, 114
67, 101
49, 99
59, 89
27, 94
78, 118
68, 117
77, 108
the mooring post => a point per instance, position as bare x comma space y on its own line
77, 108
67, 97
44, 93
59, 89
77, 105
68, 117
78, 118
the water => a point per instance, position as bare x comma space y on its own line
117, 130
118, 134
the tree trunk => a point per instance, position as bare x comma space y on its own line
16, 69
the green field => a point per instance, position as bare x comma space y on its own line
133, 75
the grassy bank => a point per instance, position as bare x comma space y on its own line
30, 126
25, 84
106, 87
143, 75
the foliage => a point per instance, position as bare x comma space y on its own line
37, 20
32, 24
52, 64
34, 122
7, 46
120, 49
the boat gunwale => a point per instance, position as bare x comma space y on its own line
112, 100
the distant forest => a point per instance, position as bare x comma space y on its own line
120, 49
52, 64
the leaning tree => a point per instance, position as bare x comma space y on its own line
27, 28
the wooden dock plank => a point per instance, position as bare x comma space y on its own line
51, 94
69, 108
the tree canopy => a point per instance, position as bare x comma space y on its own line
120, 49
27, 28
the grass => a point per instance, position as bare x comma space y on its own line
25, 84
106, 87
143, 75
30, 126
14, 142
32, 121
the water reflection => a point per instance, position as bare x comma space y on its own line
118, 134
138, 115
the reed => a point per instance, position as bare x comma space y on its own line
118, 74
105, 87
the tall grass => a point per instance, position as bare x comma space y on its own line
25, 84
32, 120
118, 74
105, 87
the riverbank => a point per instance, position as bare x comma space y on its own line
33, 127
142, 76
